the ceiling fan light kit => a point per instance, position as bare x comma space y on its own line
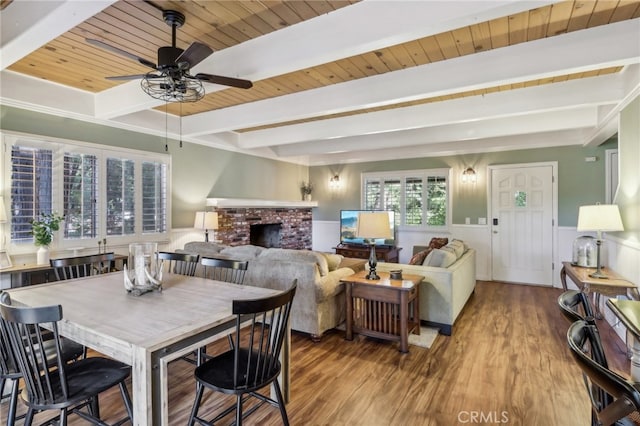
171, 81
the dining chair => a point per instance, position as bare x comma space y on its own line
9, 371
613, 398
51, 383
575, 306
180, 263
67, 268
227, 270
253, 363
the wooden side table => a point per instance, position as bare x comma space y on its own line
613, 285
385, 308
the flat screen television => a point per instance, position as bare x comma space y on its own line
349, 224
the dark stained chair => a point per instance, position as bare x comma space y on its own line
9, 372
613, 398
179, 263
575, 306
68, 268
253, 363
227, 270
50, 382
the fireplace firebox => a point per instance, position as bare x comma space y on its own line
265, 234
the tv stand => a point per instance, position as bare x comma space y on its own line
383, 253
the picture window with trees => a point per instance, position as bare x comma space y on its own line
420, 198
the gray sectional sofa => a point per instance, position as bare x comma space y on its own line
445, 289
319, 303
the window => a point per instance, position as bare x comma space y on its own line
420, 198
102, 192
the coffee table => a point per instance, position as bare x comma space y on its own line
385, 308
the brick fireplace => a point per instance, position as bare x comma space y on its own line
295, 224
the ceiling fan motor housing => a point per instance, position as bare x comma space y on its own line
167, 56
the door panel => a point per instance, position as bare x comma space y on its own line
522, 239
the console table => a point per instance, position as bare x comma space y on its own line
383, 253
613, 285
31, 273
385, 308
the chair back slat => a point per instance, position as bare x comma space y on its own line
42, 370
259, 343
612, 396
227, 270
68, 268
179, 263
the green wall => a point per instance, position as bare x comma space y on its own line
198, 171
628, 195
579, 182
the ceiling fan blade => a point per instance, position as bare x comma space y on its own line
132, 77
225, 81
121, 52
195, 54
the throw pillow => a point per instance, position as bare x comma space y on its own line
440, 258
457, 246
333, 260
438, 242
418, 258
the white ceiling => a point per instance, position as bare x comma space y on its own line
575, 112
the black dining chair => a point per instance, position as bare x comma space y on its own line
51, 383
180, 263
9, 371
613, 398
575, 306
253, 363
227, 270
67, 268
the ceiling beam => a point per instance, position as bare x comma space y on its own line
615, 44
359, 28
29, 25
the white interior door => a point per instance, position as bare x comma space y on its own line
522, 224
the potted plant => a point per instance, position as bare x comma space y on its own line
42, 230
306, 188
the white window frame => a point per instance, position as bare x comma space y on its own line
59, 147
402, 175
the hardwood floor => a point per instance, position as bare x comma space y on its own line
506, 363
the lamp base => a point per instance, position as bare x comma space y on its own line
373, 261
372, 275
598, 274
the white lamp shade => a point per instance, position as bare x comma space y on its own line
600, 217
374, 225
206, 220
3, 213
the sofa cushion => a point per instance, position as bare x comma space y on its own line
246, 252
203, 248
458, 247
466, 246
333, 260
442, 258
438, 242
297, 256
418, 258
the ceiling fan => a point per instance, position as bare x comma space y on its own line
171, 79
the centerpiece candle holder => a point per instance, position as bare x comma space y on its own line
143, 272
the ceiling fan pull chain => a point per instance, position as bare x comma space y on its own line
180, 124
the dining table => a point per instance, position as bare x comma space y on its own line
147, 331
628, 312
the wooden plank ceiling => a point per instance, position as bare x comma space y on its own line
137, 27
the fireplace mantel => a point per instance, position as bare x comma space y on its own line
256, 203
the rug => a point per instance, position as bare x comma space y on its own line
425, 339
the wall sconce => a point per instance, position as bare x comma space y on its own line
469, 176
334, 182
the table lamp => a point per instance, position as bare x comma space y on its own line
600, 218
372, 225
206, 221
